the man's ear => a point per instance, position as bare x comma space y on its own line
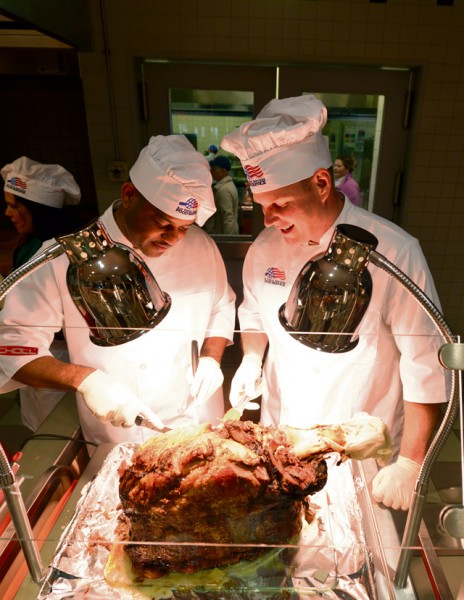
128, 194
323, 181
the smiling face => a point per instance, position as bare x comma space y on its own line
150, 230
302, 211
292, 210
20, 216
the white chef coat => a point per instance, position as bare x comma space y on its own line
396, 356
157, 365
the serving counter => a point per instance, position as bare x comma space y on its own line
58, 479
376, 544
47, 470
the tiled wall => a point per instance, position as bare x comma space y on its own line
422, 33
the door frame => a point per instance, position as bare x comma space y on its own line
396, 85
269, 80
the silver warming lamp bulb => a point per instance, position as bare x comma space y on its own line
112, 287
331, 294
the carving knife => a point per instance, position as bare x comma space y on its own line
195, 358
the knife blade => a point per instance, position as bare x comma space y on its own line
195, 356
195, 359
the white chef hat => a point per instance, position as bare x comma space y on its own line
175, 178
51, 185
283, 145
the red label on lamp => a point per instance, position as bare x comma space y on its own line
17, 350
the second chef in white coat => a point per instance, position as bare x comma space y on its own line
393, 372
169, 193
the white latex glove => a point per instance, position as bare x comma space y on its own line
394, 485
111, 401
206, 380
247, 380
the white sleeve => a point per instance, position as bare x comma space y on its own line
31, 316
416, 335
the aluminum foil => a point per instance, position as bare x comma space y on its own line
329, 560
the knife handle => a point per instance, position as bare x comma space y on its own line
140, 421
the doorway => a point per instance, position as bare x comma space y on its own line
372, 104
206, 101
367, 115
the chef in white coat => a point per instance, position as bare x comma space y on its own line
393, 372
168, 195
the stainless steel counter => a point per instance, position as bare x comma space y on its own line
379, 529
29, 589
381, 538
47, 469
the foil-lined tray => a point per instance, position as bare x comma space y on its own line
330, 559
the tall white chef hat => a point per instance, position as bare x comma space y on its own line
175, 178
51, 185
283, 145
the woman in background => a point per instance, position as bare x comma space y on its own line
344, 181
35, 195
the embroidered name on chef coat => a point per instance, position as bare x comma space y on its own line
274, 276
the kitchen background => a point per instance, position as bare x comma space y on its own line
85, 83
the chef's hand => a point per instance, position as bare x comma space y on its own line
394, 485
207, 379
247, 380
111, 401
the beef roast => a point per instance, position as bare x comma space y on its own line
235, 483
238, 483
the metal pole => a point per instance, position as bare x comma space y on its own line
415, 512
19, 518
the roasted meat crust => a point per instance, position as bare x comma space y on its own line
238, 483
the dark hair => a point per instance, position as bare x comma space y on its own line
349, 162
47, 221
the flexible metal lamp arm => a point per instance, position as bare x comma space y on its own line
34, 263
415, 512
325, 306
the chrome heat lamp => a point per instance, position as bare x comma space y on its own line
112, 287
119, 299
325, 307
